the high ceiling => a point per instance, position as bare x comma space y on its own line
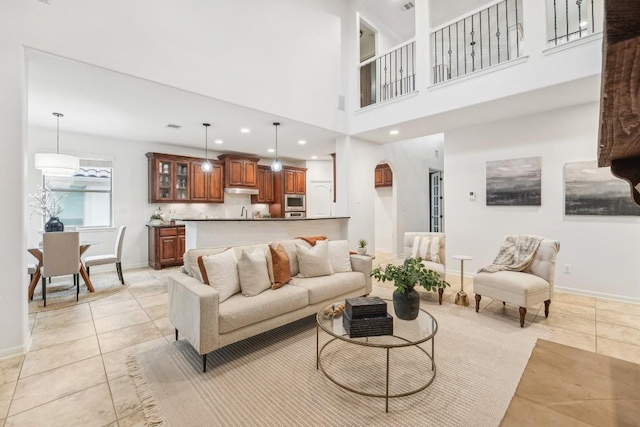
100, 102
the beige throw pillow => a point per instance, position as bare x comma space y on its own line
314, 262
220, 271
253, 272
339, 256
427, 248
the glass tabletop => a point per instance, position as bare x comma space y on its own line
405, 332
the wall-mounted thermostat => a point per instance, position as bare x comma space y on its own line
472, 195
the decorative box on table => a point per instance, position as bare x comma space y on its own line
367, 317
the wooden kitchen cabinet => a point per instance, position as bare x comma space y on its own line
295, 180
265, 186
240, 171
169, 179
383, 176
166, 246
207, 186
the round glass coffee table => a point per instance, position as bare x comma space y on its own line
406, 333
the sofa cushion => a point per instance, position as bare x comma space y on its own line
220, 271
327, 287
253, 274
240, 311
314, 262
267, 253
281, 266
191, 260
290, 247
438, 268
339, 256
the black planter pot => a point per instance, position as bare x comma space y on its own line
407, 305
53, 224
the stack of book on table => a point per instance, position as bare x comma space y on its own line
367, 317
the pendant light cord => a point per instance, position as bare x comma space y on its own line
58, 137
206, 143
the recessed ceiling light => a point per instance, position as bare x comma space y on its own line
245, 130
394, 132
314, 157
218, 141
271, 150
173, 126
302, 142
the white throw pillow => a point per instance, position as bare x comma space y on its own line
253, 272
314, 262
220, 271
427, 248
339, 256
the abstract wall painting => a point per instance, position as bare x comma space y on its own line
514, 182
590, 190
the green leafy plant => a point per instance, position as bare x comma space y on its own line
157, 215
362, 243
411, 273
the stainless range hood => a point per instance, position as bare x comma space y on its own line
241, 190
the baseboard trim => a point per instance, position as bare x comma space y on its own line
597, 294
17, 350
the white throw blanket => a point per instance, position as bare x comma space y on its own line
516, 253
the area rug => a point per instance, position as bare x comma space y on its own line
271, 379
61, 292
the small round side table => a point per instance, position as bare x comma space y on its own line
461, 296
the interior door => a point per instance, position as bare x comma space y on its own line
437, 224
319, 199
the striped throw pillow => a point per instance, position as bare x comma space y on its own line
426, 247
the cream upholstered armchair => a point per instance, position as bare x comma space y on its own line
525, 288
439, 264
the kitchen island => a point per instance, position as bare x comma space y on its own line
214, 232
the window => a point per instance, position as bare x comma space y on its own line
87, 197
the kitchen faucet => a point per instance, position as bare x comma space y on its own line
244, 212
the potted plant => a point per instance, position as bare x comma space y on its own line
157, 218
406, 300
46, 205
362, 247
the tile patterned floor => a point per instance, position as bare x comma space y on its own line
76, 374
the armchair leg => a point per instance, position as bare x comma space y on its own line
440, 292
44, 290
478, 298
88, 270
204, 363
176, 334
76, 279
547, 303
523, 312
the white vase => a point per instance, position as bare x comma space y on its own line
361, 251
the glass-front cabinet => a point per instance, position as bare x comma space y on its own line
168, 178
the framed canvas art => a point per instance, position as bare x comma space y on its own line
514, 182
590, 190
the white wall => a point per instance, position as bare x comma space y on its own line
129, 189
384, 213
602, 251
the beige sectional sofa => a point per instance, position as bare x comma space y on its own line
208, 324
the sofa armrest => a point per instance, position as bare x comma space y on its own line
363, 264
193, 310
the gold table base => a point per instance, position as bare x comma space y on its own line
462, 298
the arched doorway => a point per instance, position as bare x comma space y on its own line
384, 211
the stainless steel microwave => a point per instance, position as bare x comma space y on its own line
294, 203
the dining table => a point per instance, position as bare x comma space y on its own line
38, 255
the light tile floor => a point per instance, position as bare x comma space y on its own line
76, 373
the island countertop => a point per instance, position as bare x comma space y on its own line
260, 219
218, 232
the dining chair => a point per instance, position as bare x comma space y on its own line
114, 258
60, 256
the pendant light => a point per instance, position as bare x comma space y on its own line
56, 163
276, 166
206, 166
